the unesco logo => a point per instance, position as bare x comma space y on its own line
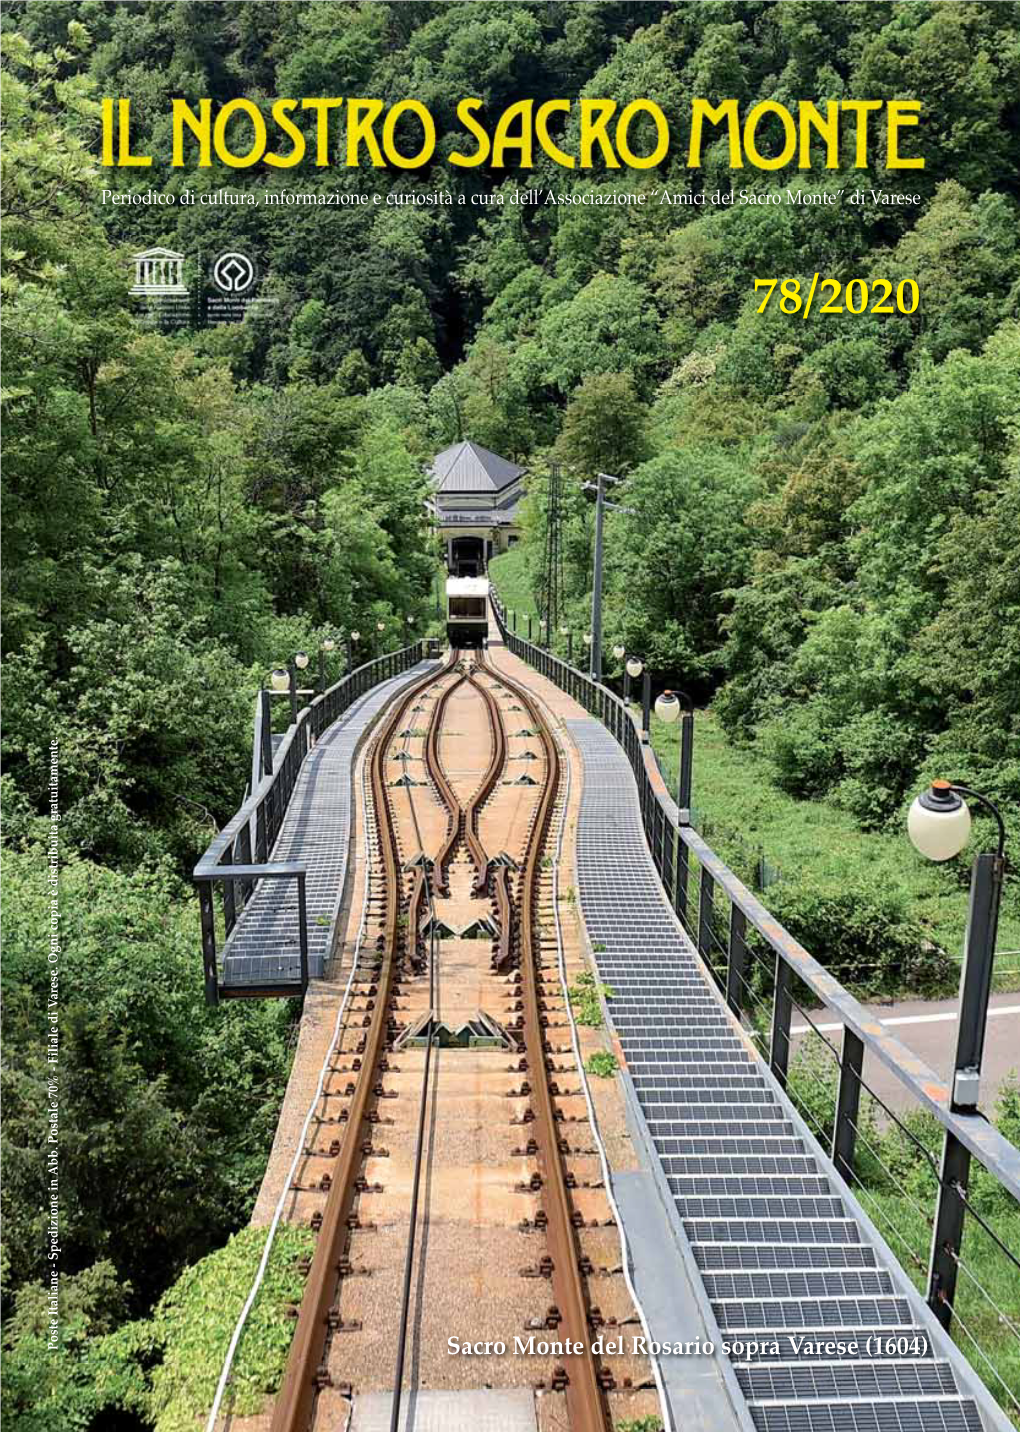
233, 273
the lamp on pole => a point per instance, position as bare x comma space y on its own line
631, 672
352, 642
380, 628
565, 631
327, 644
543, 632
601, 503
668, 707
298, 663
279, 683
938, 824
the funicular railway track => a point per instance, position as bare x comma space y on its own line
405, 954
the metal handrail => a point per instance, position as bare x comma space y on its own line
239, 855
659, 813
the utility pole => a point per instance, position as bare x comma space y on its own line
552, 595
596, 591
601, 503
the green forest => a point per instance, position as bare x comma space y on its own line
820, 543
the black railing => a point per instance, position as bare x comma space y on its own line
238, 857
764, 974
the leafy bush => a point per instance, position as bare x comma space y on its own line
585, 995
864, 937
168, 1107
194, 1321
602, 1063
162, 1371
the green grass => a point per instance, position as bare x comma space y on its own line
741, 813
585, 996
602, 1063
508, 575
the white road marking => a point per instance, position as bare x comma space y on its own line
948, 1017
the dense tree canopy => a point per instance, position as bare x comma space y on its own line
821, 519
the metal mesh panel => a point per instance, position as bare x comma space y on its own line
263, 947
780, 1258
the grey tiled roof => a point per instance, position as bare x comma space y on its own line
467, 467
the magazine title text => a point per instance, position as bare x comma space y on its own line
350, 133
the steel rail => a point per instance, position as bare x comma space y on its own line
295, 1402
497, 762
459, 818
446, 792
423, 893
587, 1409
483, 864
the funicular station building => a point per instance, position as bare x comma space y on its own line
474, 505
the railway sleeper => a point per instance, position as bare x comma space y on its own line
338, 1324
346, 1269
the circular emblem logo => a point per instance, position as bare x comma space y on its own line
233, 272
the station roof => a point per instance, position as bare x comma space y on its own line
468, 467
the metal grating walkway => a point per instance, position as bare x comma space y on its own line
263, 949
783, 1259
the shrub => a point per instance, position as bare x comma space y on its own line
602, 1064
584, 999
864, 937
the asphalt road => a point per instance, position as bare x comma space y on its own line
928, 1028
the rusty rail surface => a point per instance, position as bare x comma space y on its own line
447, 794
497, 763
587, 1409
306, 1371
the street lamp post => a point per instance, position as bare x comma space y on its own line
327, 644
601, 503
298, 663
631, 672
380, 628
938, 824
596, 592
352, 642
565, 631
543, 632
529, 626
668, 708
279, 681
